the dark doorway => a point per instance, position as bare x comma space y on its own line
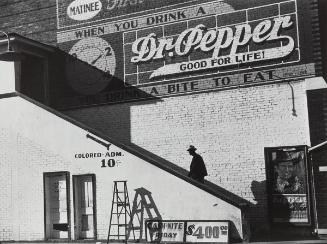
56, 205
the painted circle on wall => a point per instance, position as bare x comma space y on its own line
83, 9
97, 69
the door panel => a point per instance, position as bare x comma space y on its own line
319, 160
56, 202
321, 198
84, 207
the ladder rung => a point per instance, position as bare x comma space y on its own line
149, 206
136, 228
122, 203
121, 199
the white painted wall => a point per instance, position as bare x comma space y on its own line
34, 141
7, 77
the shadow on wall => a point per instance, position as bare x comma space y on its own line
259, 191
85, 93
280, 210
86, 84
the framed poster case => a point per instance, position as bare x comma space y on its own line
288, 185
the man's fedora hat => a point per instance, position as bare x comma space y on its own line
191, 148
284, 156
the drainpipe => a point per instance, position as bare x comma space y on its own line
293, 99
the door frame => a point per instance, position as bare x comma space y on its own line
67, 176
93, 176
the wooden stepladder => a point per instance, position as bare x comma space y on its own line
142, 203
120, 213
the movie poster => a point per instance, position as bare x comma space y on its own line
288, 185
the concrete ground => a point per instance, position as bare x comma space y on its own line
293, 242
320, 241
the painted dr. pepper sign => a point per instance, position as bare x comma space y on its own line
259, 41
169, 47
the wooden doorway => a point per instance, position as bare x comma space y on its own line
84, 206
56, 205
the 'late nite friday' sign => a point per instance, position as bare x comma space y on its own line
166, 231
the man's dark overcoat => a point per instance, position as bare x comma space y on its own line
197, 167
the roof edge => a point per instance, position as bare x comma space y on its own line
14, 37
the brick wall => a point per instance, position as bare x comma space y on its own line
322, 7
5, 187
31, 18
230, 129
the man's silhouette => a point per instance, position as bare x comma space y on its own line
197, 168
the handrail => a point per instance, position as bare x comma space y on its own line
317, 146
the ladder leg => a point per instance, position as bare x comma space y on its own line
132, 215
142, 220
130, 225
125, 224
112, 206
158, 215
121, 200
117, 211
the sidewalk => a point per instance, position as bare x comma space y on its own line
322, 241
292, 242
303, 241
